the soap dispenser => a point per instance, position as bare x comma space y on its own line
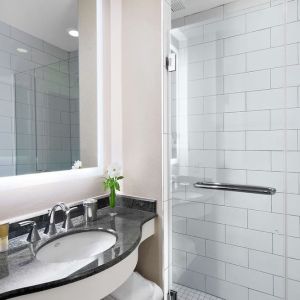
4, 237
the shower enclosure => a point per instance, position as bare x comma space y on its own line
47, 117
235, 152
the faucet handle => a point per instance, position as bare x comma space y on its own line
68, 224
33, 235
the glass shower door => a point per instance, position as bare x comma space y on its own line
47, 117
53, 117
25, 123
288, 119
234, 100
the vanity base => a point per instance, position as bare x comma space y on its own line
99, 285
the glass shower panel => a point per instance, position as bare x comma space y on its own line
25, 123
292, 160
228, 102
47, 117
53, 117
74, 108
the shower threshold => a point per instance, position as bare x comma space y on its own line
186, 293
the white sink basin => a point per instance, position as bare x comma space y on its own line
76, 246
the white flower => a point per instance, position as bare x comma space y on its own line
77, 164
114, 170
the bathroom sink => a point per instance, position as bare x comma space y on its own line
76, 246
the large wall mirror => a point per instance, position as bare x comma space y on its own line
39, 86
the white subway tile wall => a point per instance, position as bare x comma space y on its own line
57, 113
228, 116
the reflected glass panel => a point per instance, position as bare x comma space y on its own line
47, 117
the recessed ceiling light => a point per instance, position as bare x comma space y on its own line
73, 32
22, 50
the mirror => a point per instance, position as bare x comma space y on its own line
39, 86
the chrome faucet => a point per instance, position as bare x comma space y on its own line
51, 228
67, 224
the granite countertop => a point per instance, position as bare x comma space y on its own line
21, 273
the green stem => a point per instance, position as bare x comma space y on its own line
112, 198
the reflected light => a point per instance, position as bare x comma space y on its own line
73, 32
22, 50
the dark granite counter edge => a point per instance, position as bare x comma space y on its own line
103, 201
89, 273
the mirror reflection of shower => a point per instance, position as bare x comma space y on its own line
39, 86
47, 117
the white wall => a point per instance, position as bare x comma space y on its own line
29, 194
133, 112
142, 116
229, 120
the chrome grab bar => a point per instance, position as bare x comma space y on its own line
236, 188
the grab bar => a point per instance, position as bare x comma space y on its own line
236, 188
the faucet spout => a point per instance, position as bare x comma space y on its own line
50, 229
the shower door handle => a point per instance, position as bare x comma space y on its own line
171, 62
253, 189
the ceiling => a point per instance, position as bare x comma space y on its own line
48, 20
188, 7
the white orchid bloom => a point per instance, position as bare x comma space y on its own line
114, 170
77, 164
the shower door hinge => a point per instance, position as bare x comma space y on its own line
171, 62
172, 295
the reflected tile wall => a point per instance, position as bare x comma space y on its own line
53, 101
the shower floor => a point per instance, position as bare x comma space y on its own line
185, 293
